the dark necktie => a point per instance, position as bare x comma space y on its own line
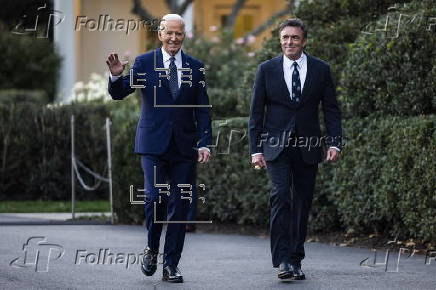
174, 86
296, 84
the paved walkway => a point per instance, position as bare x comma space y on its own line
105, 257
51, 218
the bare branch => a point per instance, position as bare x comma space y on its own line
172, 5
234, 14
259, 29
141, 11
182, 8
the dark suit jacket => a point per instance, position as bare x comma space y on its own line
274, 118
160, 117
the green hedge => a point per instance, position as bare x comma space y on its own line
225, 63
383, 183
28, 63
393, 72
35, 162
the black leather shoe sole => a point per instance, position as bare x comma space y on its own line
286, 275
300, 277
173, 280
148, 273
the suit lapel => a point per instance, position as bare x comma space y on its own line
160, 69
280, 76
308, 83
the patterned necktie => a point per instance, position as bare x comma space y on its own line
174, 86
296, 84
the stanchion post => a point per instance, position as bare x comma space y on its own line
73, 189
109, 165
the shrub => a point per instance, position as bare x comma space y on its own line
390, 73
35, 151
18, 96
225, 63
28, 63
385, 180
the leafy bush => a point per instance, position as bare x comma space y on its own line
390, 73
18, 96
225, 63
333, 24
28, 63
35, 151
385, 181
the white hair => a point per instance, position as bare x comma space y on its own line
167, 17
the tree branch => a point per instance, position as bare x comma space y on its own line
141, 11
259, 29
172, 5
182, 8
234, 14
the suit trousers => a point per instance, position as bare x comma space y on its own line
293, 183
167, 205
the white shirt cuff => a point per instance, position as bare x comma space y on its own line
336, 148
204, 148
256, 154
114, 78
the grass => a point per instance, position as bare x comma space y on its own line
53, 206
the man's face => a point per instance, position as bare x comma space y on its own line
171, 35
292, 41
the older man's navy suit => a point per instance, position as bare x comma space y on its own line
169, 131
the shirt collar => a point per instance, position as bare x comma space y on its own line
289, 62
166, 56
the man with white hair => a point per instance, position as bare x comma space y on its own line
172, 135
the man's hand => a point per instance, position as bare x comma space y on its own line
332, 155
258, 161
203, 155
116, 67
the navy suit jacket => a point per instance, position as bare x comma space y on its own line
273, 117
161, 116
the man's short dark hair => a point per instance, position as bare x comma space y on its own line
294, 22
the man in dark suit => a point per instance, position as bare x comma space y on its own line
172, 134
285, 138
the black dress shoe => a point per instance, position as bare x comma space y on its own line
149, 262
298, 273
286, 271
172, 274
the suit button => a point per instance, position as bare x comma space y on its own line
206, 132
